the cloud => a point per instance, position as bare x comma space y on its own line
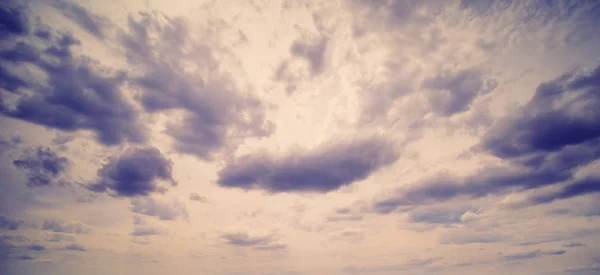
135, 172
411, 264
574, 245
453, 92
25, 257
268, 241
215, 112
147, 231
65, 227
90, 22
60, 237
156, 208
543, 143
14, 22
6, 143
71, 93
462, 236
43, 166
531, 254
75, 247
436, 215
36, 247
323, 169
10, 224
196, 197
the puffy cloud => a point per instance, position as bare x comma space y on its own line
43, 166
135, 172
156, 208
74, 93
215, 111
323, 169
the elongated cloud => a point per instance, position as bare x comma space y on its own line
323, 169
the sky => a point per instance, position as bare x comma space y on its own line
299, 137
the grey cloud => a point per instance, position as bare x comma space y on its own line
574, 245
65, 227
323, 169
79, 94
36, 247
75, 247
157, 208
215, 111
43, 166
436, 215
453, 92
313, 51
135, 172
10, 224
60, 237
531, 254
256, 241
25, 257
245, 239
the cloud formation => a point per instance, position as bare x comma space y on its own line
42, 166
215, 111
137, 171
10, 224
323, 169
61, 226
157, 208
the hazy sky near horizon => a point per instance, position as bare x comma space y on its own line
299, 137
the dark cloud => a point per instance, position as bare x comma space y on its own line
556, 132
12, 20
196, 197
323, 169
75, 247
25, 257
313, 52
453, 92
43, 167
135, 172
77, 92
65, 227
90, 22
10, 224
531, 254
156, 208
169, 62
36, 247
60, 237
